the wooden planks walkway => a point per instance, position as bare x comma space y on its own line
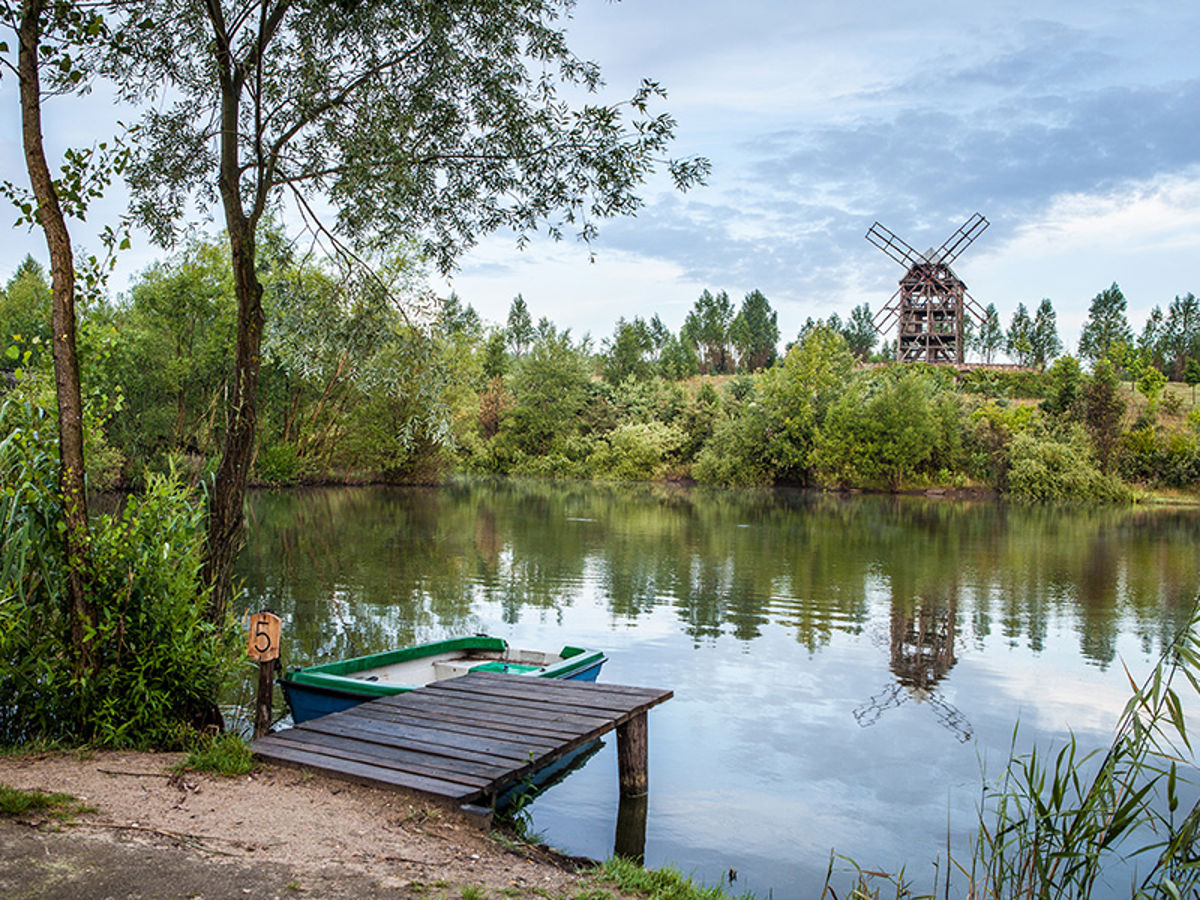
466, 739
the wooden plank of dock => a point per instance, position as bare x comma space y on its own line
466, 739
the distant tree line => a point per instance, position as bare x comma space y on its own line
351, 389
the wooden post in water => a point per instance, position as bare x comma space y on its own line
263, 646
633, 757
630, 840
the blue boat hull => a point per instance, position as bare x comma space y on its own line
306, 701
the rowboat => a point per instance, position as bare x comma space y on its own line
334, 686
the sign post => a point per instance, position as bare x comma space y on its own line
263, 646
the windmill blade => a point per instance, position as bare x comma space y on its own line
960, 240
893, 245
951, 718
892, 695
886, 317
971, 305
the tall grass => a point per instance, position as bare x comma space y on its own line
1072, 823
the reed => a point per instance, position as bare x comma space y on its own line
1064, 824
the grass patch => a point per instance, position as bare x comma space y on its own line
223, 754
667, 883
16, 802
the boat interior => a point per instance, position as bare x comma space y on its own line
441, 666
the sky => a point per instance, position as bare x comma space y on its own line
1070, 126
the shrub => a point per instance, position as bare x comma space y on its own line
1048, 468
159, 663
736, 452
277, 463
637, 452
878, 435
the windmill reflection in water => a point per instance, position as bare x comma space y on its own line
922, 650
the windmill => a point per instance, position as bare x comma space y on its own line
931, 302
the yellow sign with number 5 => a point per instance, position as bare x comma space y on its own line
264, 636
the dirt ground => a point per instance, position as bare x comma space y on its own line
278, 833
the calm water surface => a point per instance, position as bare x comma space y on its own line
842, 666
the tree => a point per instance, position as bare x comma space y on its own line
1066, 379
520, 329
25, 306
991, 337
456, 319
495, 356
1191, 375
436, 122
969, 337
1043, 336
1102, 411
627, 354
1105, 326
50, 37
707, 329
1151, 343
860, 333
1018, 343
1183, 334
797, 395
755, 333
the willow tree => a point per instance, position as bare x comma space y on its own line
435, 121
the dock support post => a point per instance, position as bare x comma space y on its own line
630, 840
264, 701
633, 758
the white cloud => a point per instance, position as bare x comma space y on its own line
1144, 235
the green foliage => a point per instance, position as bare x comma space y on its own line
159, 663
519, 331
1149, 456
990, 339
418, 146
1063, 391
1044, 341
1018, 343
629, 354
879, 434
666, 883
738, 453
222, 754
169, 354
1106, 325
1150, 385
989, 434
706, 329
1043, 467
1103, 409
755, 333
1054, 822
1182, 337
637, 451
860, 334
551, 389
25, 311
797, 394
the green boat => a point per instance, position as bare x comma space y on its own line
331, 687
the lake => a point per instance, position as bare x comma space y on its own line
843, 666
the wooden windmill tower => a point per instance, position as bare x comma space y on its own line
931, 302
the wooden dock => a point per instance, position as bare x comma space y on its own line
465, 740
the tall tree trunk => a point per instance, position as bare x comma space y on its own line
226, 521
66, 362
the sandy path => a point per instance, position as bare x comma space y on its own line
303, 829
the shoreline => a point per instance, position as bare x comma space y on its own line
276, 832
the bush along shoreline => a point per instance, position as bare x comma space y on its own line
355, 390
